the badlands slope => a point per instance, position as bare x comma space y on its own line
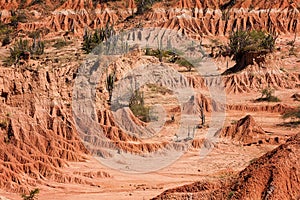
256, 155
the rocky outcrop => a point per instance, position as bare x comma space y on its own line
246, 131
38, 135
275, 175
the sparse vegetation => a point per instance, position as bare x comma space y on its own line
230, 195
17, 17
159, 89
293, 114
91, 40
248, 47
292, 50
6, 40
169, 56
19, 50
22, 50
34, 2
144, 5
32, 195
5, 33
267, 95
138, 107
110, 83
59, 44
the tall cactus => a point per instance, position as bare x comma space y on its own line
110, 83
202, 115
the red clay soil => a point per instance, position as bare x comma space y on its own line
245, 131
275, 175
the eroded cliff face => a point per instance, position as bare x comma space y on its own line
38, 135
188, 16
38, 132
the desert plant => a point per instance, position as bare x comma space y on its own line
293, 114
230, 194
32, 195
267, 92
21, 47
91, 40
6, 40
249, 46
17, 17
34, 2
202, 115
292, 50
138, 107
60, 44
267, 95
143, 6
183, 62
37, 47
110, 82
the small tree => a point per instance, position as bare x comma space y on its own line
250, 46
32, 195
267, 92
137, 106
267, 95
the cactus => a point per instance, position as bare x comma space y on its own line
90, 41
202, 115
110, 82
37, 47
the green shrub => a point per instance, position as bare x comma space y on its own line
171, 57
294, 114
247, 46
3, 124
267, 95
143, 6
22, 46
137, 106
245, 41
32, 195
18, 18
19, 48
231, 194
60, 44
6, 41
34, 2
